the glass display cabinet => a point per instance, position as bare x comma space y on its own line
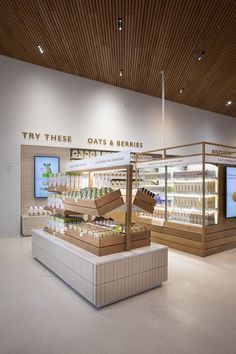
189, 184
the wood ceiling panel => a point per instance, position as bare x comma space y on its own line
81, 37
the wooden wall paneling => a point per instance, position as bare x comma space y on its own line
82, 38
176, 239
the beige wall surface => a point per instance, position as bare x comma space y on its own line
39, 100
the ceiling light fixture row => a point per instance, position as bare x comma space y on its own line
201, 56
120, 27
228, 103
181, 90
40, 49
120, 24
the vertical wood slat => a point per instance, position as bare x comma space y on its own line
128, 215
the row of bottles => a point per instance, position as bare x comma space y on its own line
88, 193
192, 218
55, 201
194, 187
58, 223
193, 202
183, 216
194, 174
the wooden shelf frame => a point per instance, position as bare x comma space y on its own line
99, 211
203, 239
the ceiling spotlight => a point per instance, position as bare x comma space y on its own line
40, 49
120, 24
121, 73
201, 56
228, 103
181, 90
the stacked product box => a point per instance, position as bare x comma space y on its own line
59, 223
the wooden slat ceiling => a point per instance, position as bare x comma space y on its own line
81, 37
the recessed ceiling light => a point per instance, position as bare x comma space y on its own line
40, 49
121, 73
120, 24
228, 103
201, 56
181, 90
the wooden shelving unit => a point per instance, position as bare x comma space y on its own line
201, 237
102, 206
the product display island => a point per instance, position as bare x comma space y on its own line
102, 280
102, 259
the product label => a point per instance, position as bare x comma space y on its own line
109, 160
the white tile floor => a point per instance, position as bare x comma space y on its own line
194, 312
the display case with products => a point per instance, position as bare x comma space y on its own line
90, 191
92, 252
189, 193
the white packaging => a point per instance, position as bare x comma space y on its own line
30, 211
72, 182
61, 227
63, 180
67, 181
35, 210
52, 224
54, 180
59, 180
57, 225
50, 180
76, 182
57, 202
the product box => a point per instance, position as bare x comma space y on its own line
72, 182
67, 181
81, 154
74, 154
92, 153
76, 181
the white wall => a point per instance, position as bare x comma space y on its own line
36, 99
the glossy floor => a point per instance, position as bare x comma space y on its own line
194, 312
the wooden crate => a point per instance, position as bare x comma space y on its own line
108, 245
96, 241
103, 246
96, 207
144, 201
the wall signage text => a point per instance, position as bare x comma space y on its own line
221, 152
116, 143
171, 162
47, 137
109, 160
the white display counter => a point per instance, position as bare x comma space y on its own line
102, 280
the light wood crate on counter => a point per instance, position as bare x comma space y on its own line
107, 245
